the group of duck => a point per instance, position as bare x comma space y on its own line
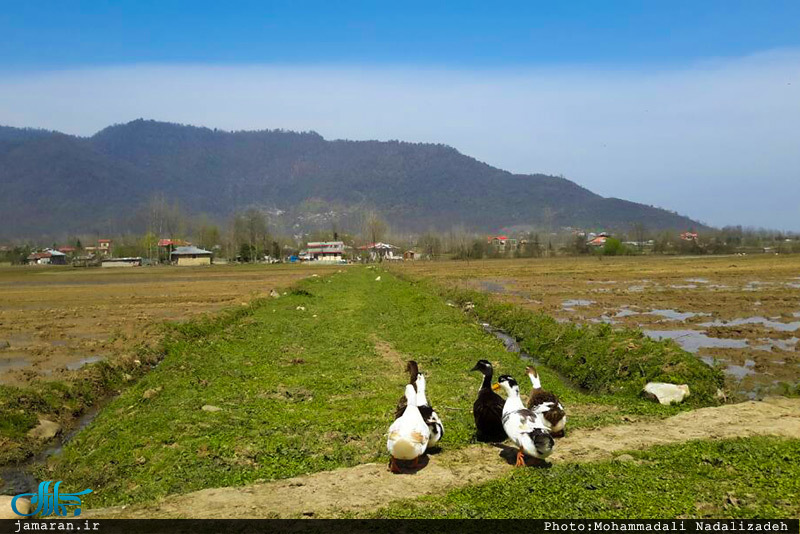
530, 426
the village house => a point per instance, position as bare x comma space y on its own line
381, 251
501, 243
184, 256
689, 236
325, 251
167, 246
103, 248
411, 255
47, 256
598, 241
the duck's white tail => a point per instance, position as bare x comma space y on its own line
534, 376
422, 400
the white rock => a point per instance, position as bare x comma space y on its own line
665, 393
44, 430
378, 279
274, 294
23, 507
301, 308
211, 408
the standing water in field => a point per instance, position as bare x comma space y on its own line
512, 345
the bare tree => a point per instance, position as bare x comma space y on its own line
548, 215
250, 230
373, 228
639, 231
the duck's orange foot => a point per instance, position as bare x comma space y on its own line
520, 459
393, 467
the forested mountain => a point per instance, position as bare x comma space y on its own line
52, 183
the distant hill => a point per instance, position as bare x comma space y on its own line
52, 183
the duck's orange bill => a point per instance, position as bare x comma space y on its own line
496, 387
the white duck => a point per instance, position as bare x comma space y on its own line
417, 380
409, 434
524, 428
430, 416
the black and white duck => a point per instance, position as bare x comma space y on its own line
547, 405
417, 379
488, 407
523, 427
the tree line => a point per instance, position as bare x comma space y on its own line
250, 235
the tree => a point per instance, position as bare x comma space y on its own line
165, 219
639, 234
579, 245
430, 245
536, 246
373, 228
149, 243
613, 247
548, 216
250, 228
208, 236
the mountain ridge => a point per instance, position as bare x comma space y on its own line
53, 182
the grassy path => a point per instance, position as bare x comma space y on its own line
300, 384
360, 490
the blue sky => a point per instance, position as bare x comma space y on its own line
59, 34
692, 106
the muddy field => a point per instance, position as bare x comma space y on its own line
740, 311
57, 319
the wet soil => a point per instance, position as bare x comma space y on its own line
747, 306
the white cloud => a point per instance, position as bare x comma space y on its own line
717, 140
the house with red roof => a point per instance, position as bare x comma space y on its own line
502, 243
47, 256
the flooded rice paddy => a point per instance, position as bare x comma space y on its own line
737, 312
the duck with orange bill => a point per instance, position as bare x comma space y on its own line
523, 427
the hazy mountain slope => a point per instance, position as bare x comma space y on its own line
52, 183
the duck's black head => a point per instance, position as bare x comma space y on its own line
484, 366
413, 370
508, 379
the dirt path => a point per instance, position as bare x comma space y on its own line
370, 486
